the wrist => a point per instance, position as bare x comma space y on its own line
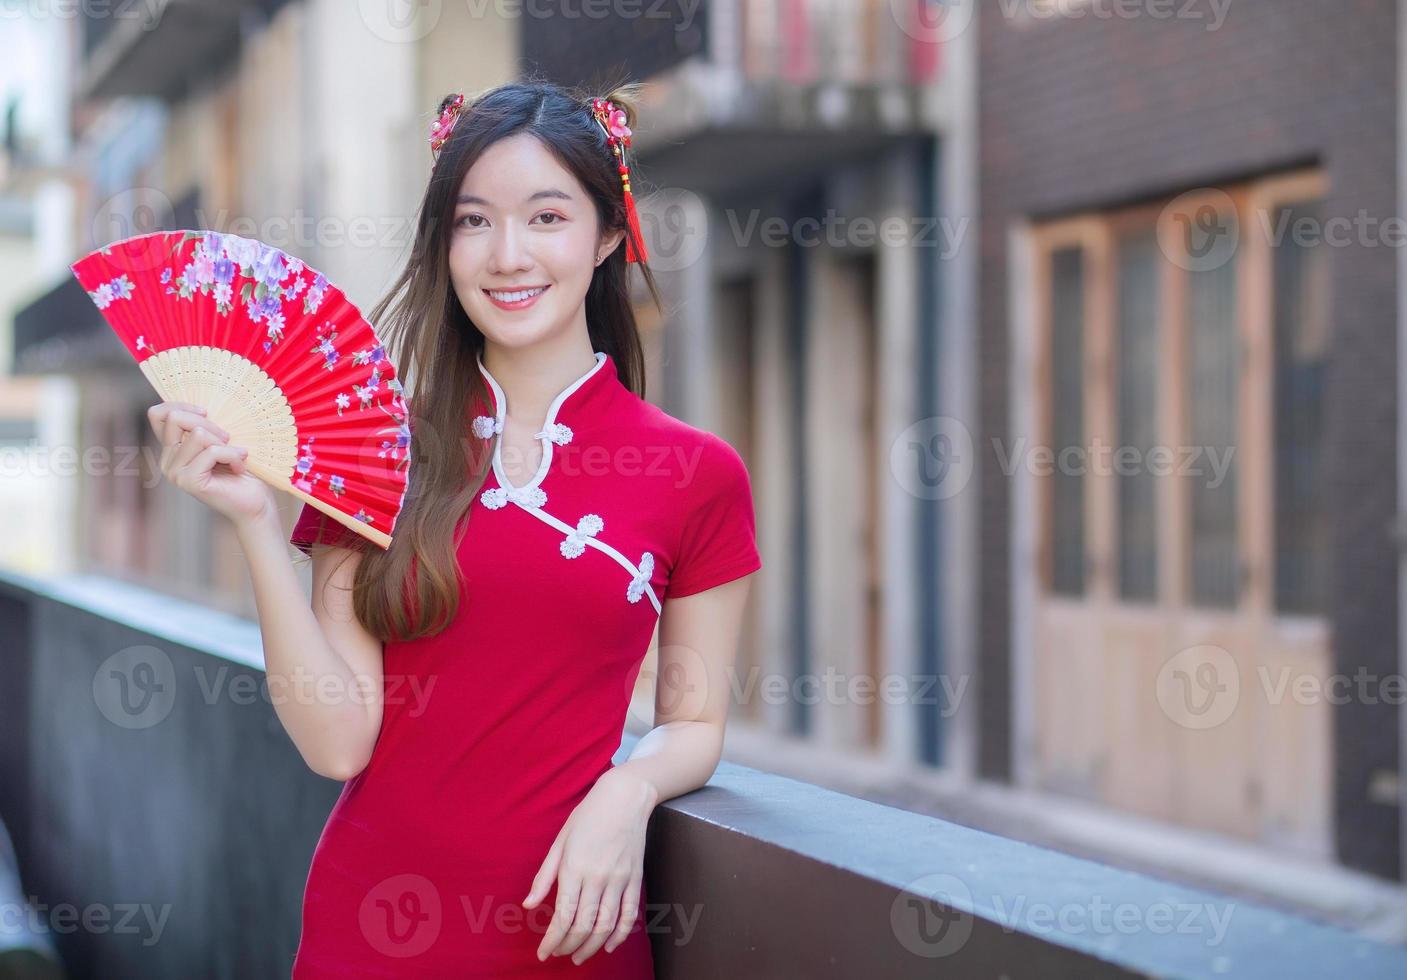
644, 792
266, 523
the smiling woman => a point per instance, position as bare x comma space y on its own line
486, 830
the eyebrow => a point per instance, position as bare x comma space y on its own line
551, 192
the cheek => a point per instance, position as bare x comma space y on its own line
568, 258
465, 273
466, 269
464, 260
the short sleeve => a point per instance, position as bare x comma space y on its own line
718, 540
315, 527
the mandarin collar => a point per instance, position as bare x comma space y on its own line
582, 391
574, 403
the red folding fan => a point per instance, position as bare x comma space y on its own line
277, 355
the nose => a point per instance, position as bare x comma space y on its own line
510, 252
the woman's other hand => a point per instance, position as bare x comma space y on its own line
598, 862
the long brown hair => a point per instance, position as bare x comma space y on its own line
411, 589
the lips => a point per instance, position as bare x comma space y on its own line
515, 299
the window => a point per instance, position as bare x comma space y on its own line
1213, 366
1136, 378
1182, 351
1067, 419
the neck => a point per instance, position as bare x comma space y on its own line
531, 377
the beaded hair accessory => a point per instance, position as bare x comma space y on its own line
441, 127
612, 119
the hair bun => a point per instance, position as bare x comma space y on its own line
626, 97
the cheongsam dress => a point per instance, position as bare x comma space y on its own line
494, 729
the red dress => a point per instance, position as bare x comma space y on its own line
496, 728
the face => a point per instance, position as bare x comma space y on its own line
524, 242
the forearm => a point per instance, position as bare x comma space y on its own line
321, 702
675, 758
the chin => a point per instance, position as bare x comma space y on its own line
512, 334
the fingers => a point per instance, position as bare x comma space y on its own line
568, 891
588, 906
591, 921
172, 420
231, 456
629, 912
178, 446
205, 460
182, 453
547, 872
161, 411
605, 921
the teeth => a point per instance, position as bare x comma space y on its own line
515, 296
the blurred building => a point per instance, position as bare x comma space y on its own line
1189, 242
895, 403
792, 154
38, 455
241, 117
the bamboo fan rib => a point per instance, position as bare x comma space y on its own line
238, 396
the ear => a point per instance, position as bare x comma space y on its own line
609, 243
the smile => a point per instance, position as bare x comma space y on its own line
514, 299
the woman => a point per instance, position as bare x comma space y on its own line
472, 681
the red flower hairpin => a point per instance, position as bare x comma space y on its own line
612, 119
441, 127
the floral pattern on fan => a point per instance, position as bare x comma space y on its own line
211, 270
119, 288
167, 294
218, 257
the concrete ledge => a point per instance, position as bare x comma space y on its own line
794, 877
1328, 893
207, 815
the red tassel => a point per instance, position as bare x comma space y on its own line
633, 220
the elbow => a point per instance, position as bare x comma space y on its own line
340, 769
349, 756
343, 751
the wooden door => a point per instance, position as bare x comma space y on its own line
1178, 592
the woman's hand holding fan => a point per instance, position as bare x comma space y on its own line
197, 457
280, 361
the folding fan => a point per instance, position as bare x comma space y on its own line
278, 357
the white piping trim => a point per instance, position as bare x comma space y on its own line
592, 542
501, 412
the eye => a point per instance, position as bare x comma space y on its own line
552, 214
469, 216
